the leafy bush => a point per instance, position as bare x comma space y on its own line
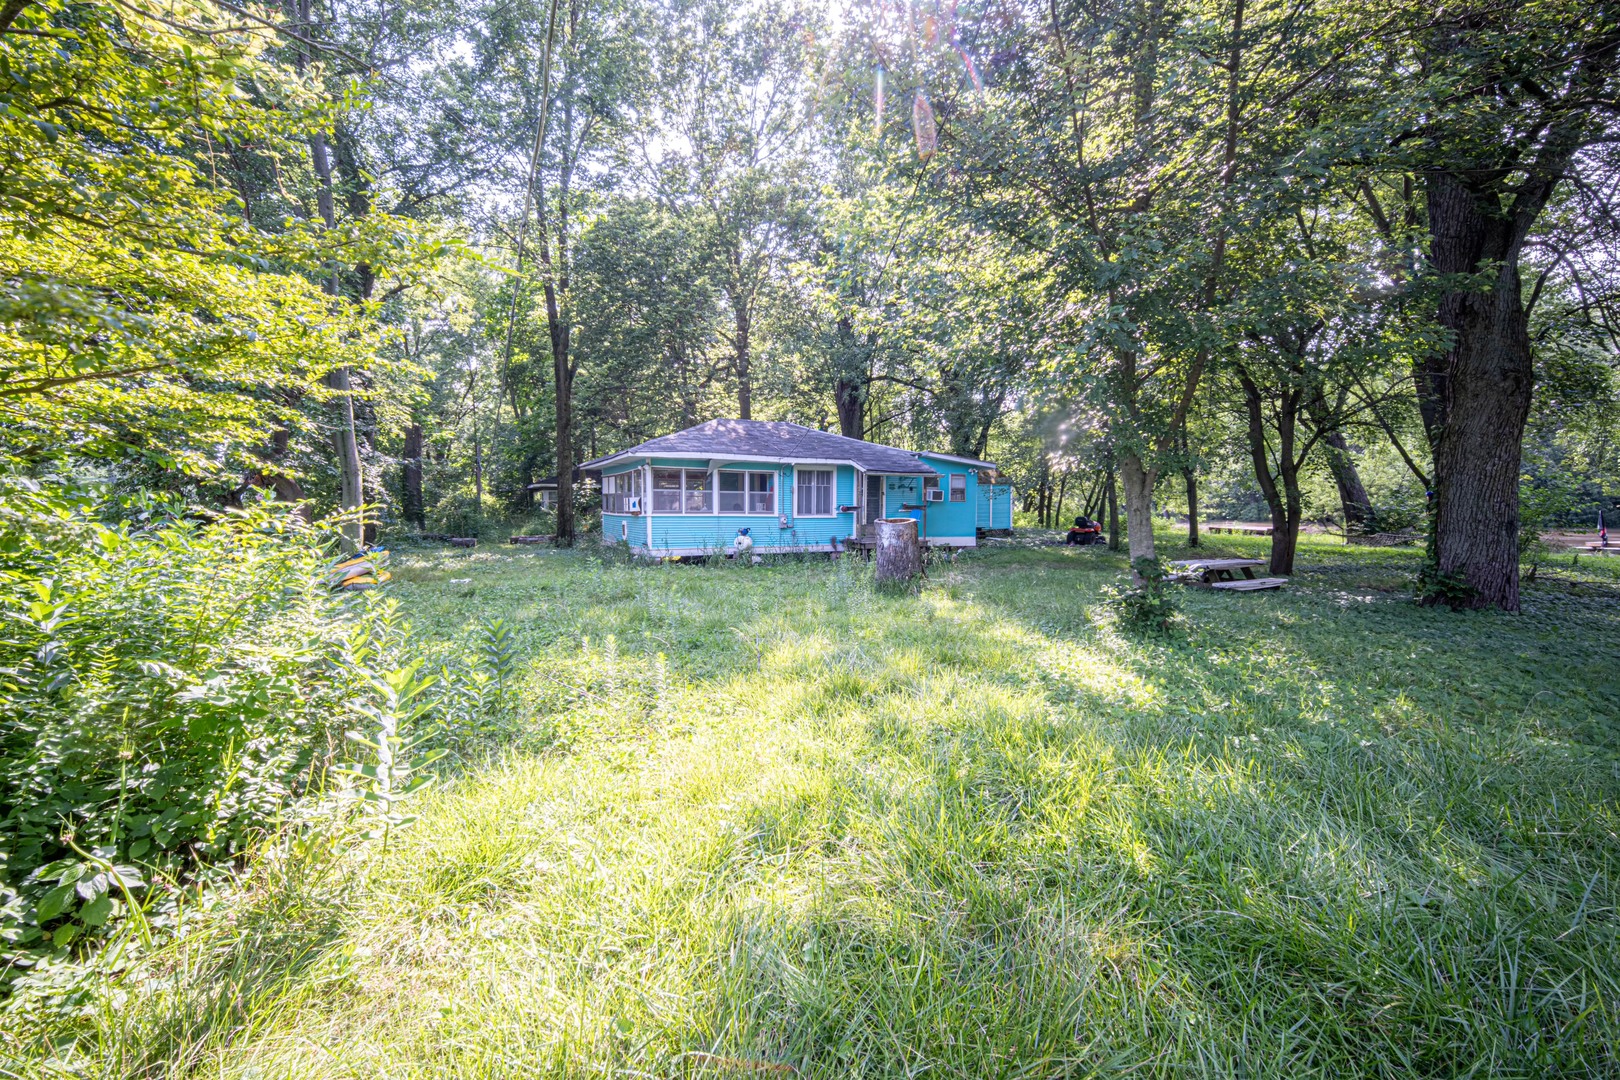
166, 686
1147, 604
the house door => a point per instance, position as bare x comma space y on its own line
872, 506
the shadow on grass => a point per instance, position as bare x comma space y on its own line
1278, 861
975, 832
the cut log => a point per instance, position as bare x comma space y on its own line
899, 556
537, 539
464, 541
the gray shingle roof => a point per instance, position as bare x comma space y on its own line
772, 440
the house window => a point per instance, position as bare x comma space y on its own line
682, 491
761, 493
930, 483
699, 497
733, 492
814, 497
959, 487
666, 491
617, 491
745, 492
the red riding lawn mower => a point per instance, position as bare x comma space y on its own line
1084, 531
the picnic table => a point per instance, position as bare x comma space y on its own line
1237, 528
1222, 574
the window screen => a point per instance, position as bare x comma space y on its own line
733, 492
814, 497
761, 493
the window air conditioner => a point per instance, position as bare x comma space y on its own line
933, 495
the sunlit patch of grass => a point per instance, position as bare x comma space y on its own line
770, 818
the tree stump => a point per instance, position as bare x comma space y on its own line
899, 556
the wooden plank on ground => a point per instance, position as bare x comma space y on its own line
1251, 584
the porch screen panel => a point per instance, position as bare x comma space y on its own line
666, 491
733, 495
698, 494
762, 493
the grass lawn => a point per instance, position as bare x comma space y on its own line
769, 821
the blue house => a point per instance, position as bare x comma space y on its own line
792, 488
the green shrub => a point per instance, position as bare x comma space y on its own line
167, 684
1147, 604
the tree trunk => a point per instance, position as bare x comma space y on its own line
1285, 505
269, 472
411, 480
1285, 533
1353, 499
742, 363
1113, 508
1191, 477
850, 398
1475, 397
1138, 479
565, 444
898, 555
344, 443
1063, 488
478, 464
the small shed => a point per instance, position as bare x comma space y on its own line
544, 492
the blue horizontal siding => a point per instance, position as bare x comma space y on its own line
953, 519
717, 532
995, 506
622, 528
1001, 507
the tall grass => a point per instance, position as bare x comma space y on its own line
771, 821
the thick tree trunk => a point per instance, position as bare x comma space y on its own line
1286, 514
1063, 490
850, 397
411, 479
899, 555
1475, 397
1353, 500
1138, 479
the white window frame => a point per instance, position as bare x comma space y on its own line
832, 492
718, 493
774, 490
747, 492
958, 485
620, 486
682, 490
929, 483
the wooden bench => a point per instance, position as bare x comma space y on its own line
1250, 584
